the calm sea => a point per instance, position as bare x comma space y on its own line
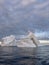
24, 56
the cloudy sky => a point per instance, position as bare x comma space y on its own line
19, 16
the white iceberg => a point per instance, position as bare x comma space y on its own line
29, 41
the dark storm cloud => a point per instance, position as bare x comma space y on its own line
23, 15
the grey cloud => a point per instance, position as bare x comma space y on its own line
15, 18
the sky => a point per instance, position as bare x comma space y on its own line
19, 16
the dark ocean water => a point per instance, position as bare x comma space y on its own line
24, 56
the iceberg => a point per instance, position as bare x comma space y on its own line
28, 41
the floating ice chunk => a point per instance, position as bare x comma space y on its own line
28, 41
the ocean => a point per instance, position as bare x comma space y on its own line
24, 56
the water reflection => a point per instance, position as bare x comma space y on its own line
24, 56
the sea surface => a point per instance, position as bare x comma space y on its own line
24, 56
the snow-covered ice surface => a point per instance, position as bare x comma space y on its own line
25, 41
11, 41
